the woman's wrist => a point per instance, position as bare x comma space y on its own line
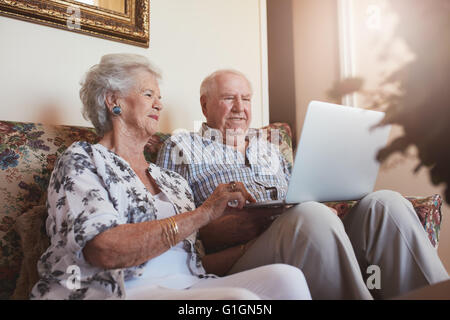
206, 213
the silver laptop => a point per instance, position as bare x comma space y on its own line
336, 155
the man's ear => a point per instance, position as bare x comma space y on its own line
203, 104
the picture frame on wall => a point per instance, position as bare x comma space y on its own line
126, 21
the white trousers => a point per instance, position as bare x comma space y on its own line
382, 230
274, 282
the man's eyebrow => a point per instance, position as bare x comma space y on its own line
235, 94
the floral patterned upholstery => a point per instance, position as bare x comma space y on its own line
28, 152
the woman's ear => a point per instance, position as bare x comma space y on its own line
110, 100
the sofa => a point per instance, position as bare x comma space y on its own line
28, 152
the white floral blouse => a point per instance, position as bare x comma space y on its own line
91, 190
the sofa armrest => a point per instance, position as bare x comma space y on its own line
428, 210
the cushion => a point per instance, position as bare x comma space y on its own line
28, 152
30, 227
428, 210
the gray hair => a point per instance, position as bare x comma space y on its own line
209, 82
114, 73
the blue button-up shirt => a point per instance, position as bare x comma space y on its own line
205, 162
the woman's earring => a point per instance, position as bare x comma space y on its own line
117, 110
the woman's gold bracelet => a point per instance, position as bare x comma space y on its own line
170, 230
163, 225
174, 227
174, 230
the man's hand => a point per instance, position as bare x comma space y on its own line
237, 226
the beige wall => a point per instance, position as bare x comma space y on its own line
313, 28
281, 67
315, 53
41, 66
303, 56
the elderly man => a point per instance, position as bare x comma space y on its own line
380, 245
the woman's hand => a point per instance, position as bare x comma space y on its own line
224, 194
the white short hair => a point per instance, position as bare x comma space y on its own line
209, 82
114, 73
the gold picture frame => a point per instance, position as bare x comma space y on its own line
132, 26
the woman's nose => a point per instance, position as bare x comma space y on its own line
157, 104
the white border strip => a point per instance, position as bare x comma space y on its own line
264, 62
346, 46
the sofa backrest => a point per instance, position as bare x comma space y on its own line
28, 152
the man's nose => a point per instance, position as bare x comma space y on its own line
238, 105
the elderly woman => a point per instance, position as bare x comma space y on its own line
121, 228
